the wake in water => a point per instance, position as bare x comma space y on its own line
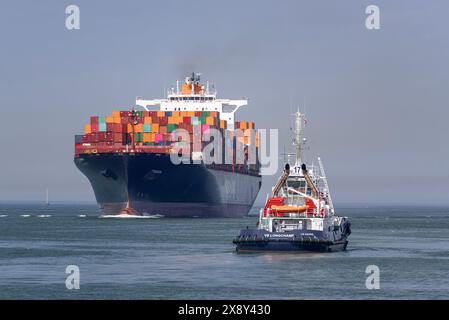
129, 216
44, 216
3, 215
25, 215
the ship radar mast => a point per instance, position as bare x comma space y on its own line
297, 141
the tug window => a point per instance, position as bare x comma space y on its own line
296, 184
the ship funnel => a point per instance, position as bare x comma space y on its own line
309, 181
281, 180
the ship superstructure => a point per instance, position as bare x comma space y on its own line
195, 96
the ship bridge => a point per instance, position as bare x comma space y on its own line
195, 96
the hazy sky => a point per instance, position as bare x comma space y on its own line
376, 100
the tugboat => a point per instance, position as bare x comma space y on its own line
299, 215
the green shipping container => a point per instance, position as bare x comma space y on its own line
147, 128
101, 119
101, 127
138, 137
171, 127
194, 121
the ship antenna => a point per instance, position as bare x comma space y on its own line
326, 185
298, 129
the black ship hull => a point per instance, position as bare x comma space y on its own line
150, 184
331, 240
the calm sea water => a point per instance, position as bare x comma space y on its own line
195, 258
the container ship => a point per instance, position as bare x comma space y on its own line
127, 156
299, 215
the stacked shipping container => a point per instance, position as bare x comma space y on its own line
142, 129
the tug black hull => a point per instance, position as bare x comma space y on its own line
254, 240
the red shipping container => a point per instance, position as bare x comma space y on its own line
94, 120
187, 127
154, 119
117, 127
163, 121
124, 113
124, 120
109, 136
110, 127
94, 137
101, 136
94, 127
153, 113
186, 120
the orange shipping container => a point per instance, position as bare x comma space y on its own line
147, 137
160, 113
116, 114
176, 120
210, 121
109, 120
162, 129
87, 129
155, 127
116, 120
147, 120
138, 128
171, 120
